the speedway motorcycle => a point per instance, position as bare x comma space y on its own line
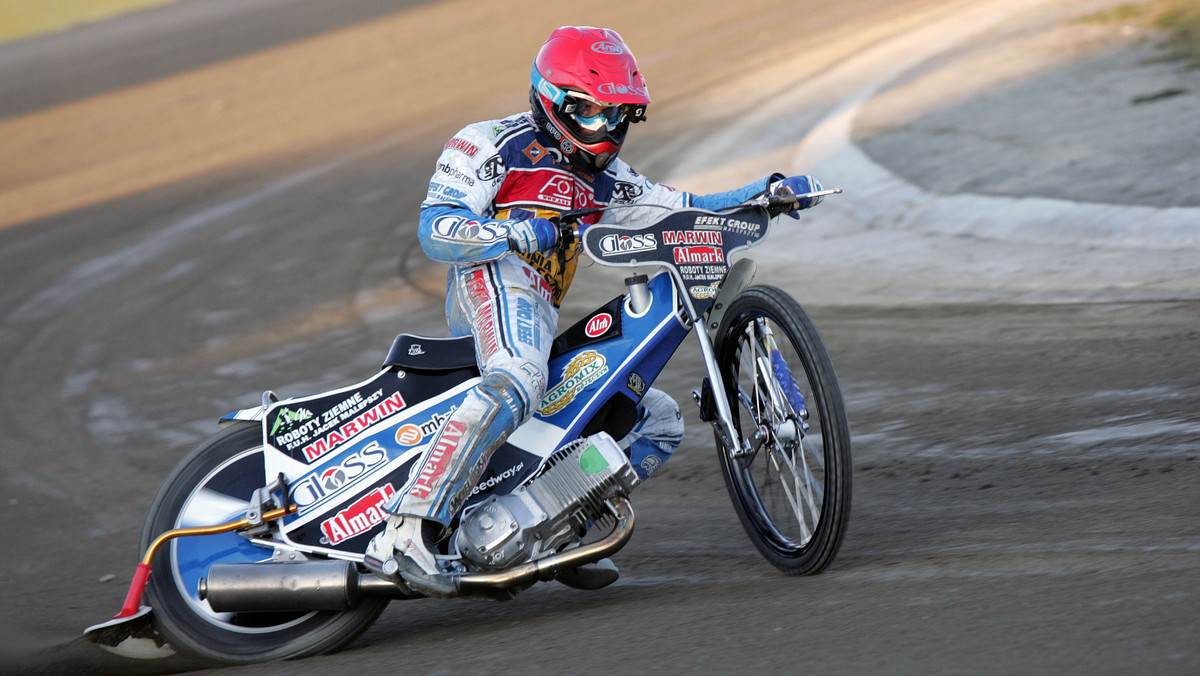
256, 538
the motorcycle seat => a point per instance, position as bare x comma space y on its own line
422, 353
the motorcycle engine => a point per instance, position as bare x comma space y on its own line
548, 511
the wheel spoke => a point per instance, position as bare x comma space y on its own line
791, 494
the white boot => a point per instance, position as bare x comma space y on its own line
401, 553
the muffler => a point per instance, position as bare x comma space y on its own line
309, 585
337, 585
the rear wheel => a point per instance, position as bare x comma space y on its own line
212, 486
791, 486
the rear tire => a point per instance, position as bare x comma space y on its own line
212, 486
793, 493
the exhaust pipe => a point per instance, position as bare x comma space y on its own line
544, 568
310, 585
337, 585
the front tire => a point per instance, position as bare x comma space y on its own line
792, 491
212, 486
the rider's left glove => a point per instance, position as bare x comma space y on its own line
798, 185
532, 235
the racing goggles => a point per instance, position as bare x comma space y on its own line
589, 113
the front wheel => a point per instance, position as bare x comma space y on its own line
791, 483
212, 486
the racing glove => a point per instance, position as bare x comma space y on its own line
532, 235
798, 185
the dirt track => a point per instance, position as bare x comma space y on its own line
1025, 474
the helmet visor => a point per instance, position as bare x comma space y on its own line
592, 115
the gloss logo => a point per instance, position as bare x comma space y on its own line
597, 325
622, 244
614, 88
316, 487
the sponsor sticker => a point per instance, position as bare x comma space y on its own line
463, 146
583, 370
354, 426
360, 517
618, 88
286, 418
534, 151
411, 434
559, 191
597, 325
492, 481
318, 486
699, 254
439, 458
612, 245
492, 169
459, 229
636, 384
728, 225
692, 237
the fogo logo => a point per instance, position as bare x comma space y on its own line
597, 325
611, 245
559, 191
359, 517
318, 486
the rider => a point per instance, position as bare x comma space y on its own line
496, 187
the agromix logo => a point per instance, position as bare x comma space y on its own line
583, 370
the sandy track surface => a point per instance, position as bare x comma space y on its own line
177, 242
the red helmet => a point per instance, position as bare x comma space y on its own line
586, 90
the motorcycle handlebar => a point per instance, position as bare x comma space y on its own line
568, 221
784, 201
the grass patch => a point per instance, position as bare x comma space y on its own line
1179, 19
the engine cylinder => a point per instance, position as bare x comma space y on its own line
550, 510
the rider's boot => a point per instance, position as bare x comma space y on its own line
453, 464
589, 576
402, 553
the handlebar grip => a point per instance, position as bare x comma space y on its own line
775, 201
568, 217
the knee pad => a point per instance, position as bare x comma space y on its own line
518, 385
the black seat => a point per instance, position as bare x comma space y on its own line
422, 353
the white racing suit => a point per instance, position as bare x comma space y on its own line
490, 178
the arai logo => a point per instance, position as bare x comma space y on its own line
605, 47
597, 325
